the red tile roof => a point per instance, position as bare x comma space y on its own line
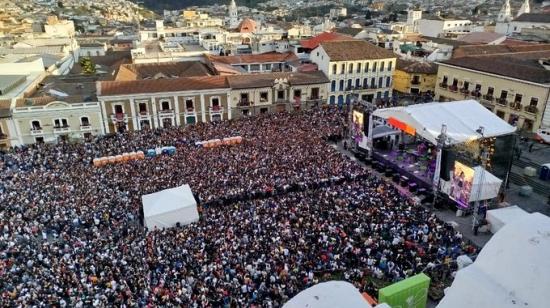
107, 88
313, 42
355, 50
472, 50
165, 69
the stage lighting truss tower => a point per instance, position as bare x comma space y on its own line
441, 141
484, 157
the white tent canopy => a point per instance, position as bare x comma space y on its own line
491, 185
331, 294
498, 218
166, 208
462, 119
512, 270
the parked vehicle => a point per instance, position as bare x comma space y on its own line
543, 135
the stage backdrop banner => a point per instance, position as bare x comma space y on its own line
461, 184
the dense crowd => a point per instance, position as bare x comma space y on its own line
280, 212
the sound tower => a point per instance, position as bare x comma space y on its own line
447, 162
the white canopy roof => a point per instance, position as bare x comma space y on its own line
167, 207
462, 118
331, 294
512, 270
498, 218
491, 185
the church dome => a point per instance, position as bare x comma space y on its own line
247, 26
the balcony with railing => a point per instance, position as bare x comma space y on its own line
464, 91
415, 82
475, 94
37, 131
61, 129
515, 105
166, 113
531, 109
244, 103
189, 111
282, 101
488, 97
119, 117
143, 114
502, 101
215, 109
85, 127
453, 88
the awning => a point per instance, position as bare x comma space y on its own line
462, 118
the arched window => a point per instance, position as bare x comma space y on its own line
333, 86
341, 85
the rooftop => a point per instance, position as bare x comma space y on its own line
162, 85
472, 50
255, 58
445, 41
349, 31
534, 17
162, 70
481, 37
355, 50
520, 65
266, 80
66, 88
108, 88
313, 42
417, 67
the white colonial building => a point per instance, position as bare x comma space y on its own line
38, 121
443, 27
524, 20
356, 70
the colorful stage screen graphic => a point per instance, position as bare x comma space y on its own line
357, 129
409, 293
461, 184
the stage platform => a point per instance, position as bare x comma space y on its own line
419, 170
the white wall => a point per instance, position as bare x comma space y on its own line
22, 68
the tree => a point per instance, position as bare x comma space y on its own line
88, 67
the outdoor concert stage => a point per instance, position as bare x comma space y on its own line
407, 166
